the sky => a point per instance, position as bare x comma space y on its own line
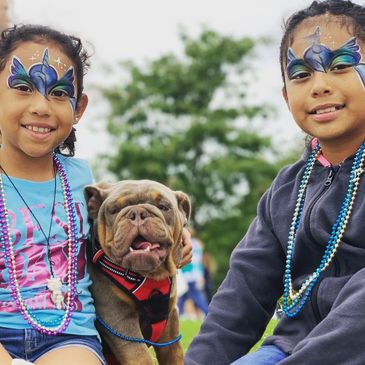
140, 30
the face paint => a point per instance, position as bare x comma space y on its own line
42, 77
297, 68
320, 58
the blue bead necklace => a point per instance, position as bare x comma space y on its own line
295, 300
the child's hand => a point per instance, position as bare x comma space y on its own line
187, 248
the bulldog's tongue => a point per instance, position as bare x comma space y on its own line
145, 246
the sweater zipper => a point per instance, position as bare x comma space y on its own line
326, 185
330, 177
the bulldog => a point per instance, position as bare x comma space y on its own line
135, 249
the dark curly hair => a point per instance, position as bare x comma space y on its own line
11, 38
348, 13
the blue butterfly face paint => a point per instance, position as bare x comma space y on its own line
44, 78
318, 57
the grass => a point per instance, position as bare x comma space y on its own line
190, 328
268, 332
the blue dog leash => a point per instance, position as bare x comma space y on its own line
134, 339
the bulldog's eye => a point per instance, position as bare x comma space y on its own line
162, 207
114, 210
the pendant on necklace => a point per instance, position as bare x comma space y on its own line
54, 285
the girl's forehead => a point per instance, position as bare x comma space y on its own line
30, 53
331, 33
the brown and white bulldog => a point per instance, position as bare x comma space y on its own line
136, 248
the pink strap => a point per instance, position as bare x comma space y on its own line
321, 159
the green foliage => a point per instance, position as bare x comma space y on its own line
185, 122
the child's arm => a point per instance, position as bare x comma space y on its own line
246, 300
5, 358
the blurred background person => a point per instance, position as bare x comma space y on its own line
193, 275
210, 267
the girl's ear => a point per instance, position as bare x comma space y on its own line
80, 108
285, 96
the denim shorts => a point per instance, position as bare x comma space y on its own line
29, 344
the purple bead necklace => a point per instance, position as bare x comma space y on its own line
7, 243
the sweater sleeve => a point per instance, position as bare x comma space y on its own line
246, 300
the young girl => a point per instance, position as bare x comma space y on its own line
307, 241
46, 310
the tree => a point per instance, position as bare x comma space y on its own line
185, 122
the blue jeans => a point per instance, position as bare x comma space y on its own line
196, 295
265, 355
29, 344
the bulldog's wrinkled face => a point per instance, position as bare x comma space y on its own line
139, 224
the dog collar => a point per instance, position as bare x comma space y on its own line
151, 296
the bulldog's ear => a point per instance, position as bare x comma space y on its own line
95, 195
183, 202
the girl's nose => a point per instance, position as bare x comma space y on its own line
40, 105
321, 85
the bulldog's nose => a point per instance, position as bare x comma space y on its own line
137, 215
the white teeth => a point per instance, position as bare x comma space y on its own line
131, 249
326, 110
38, 129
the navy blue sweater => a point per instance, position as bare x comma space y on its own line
330, 329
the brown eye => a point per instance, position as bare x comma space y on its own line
299, 75
59, 93
24, 88
340, 67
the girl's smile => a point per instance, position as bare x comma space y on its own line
39, 133
326, 113
41, 130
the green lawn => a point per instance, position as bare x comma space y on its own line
190, 328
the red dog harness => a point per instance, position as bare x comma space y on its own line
151, 296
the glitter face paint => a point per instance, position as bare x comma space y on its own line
43, 77
318, 57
